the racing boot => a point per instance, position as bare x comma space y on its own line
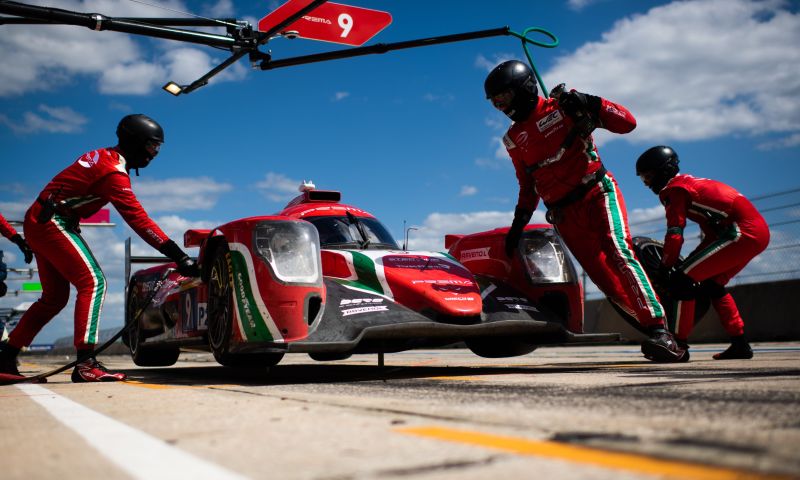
661, 347
739, 349
8, 360
90, 370
685, 346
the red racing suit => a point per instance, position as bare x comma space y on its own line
6, 230
734, 232
63, 257
577, 188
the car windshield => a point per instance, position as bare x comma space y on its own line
341, 232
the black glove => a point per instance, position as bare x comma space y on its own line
186, 266
577, 104
521, 218
23, 246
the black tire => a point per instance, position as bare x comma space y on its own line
649, 253
220, 316
144, 356
329, 357
499, 347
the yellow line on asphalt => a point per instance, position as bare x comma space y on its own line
156, 386
604, 458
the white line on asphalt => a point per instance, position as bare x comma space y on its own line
138, 454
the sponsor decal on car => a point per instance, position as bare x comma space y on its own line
355, 306
254, 320
474, 254
517, 303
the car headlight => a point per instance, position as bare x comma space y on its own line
291, 249
545, 258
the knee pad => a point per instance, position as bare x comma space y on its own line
714, 289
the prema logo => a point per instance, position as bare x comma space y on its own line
317, 20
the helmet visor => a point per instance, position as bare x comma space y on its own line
152, 147
647, 177
502, 100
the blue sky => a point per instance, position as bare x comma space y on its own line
406, 135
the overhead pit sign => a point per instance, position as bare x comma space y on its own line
330, 22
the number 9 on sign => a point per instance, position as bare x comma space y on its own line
346, 22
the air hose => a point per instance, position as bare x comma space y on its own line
525, 41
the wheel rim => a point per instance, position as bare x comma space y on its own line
219, 303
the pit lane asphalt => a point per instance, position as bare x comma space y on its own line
561, 412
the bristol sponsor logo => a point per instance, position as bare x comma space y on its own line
474, 254
551, 119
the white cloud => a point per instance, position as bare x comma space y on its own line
338, 96
178, 194
786, 142
51, 120
430, 235
696, 70
185, 65
489, 63
278, 187
434, 98
468, 190
47, 56
137, 78
579, 5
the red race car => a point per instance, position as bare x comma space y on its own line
327, 279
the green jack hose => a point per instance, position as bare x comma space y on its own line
525, 41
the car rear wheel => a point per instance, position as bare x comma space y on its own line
649, 252
145, 356
220, 317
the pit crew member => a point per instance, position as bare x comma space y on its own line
63, 257
734, 232
556, 160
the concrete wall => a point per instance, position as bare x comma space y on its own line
771, 312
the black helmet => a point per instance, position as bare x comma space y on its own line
657, 166
511, 87
139, 139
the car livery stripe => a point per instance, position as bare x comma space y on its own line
365, 274
253, 319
